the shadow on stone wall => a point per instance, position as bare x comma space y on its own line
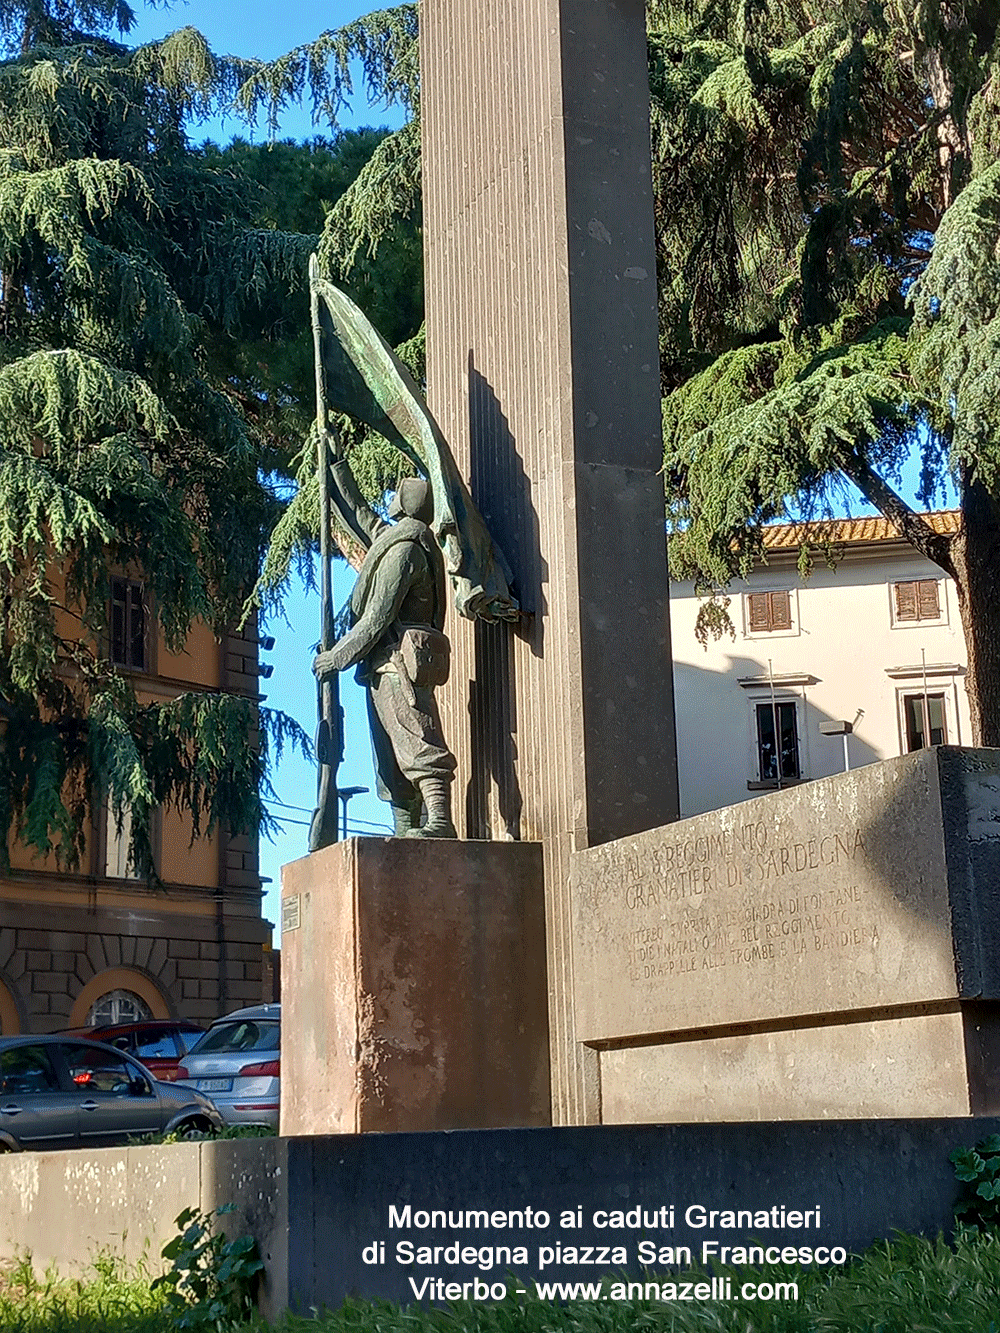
502, 492
934, 826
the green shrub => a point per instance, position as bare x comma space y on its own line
211, 1280
978, 1169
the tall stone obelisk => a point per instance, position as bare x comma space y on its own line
542, 364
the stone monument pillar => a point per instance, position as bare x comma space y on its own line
542, 367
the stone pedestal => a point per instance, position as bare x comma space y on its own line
414, 987
832, 950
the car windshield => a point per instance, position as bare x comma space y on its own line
243, 1035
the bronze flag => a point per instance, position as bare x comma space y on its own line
363, 377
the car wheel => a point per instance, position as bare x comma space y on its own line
195, 1127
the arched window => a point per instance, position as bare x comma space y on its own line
118, 1006
118, 995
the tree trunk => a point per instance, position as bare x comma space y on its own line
975, 554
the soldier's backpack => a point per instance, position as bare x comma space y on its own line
425, 654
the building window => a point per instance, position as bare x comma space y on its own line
768, 611
117, 864
918, 599
128, 624
922, 713
787, 751
118, 1006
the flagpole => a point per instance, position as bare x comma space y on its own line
324, 828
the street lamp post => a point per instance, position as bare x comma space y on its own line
345, 794
839, 728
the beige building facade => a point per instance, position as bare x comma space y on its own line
874, 641
101, 945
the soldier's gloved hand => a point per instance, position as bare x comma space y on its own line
326, 665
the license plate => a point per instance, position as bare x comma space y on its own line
215, 1085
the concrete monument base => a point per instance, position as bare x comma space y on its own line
414, 987
828, 951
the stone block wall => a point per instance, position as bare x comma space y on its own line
180, 966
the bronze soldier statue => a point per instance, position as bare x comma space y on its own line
398, 605
396, 640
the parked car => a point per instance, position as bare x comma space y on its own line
237, 1063
159, 1044
61, 1092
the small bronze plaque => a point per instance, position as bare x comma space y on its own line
290, 915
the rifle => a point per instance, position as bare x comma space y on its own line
323, 829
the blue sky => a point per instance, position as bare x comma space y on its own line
266, 30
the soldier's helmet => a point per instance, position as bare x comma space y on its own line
414, 499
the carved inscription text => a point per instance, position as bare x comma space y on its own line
727, 900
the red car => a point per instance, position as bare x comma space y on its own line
158, 1043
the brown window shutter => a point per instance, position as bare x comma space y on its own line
928, 606
760, 612
906, 601
781, 610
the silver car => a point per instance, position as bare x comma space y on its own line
237, 1064
63, 1092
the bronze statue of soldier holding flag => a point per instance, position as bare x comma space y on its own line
397, 610
399, 647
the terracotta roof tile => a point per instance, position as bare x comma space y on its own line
783, 536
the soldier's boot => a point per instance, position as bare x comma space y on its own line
436, 793
405, 818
